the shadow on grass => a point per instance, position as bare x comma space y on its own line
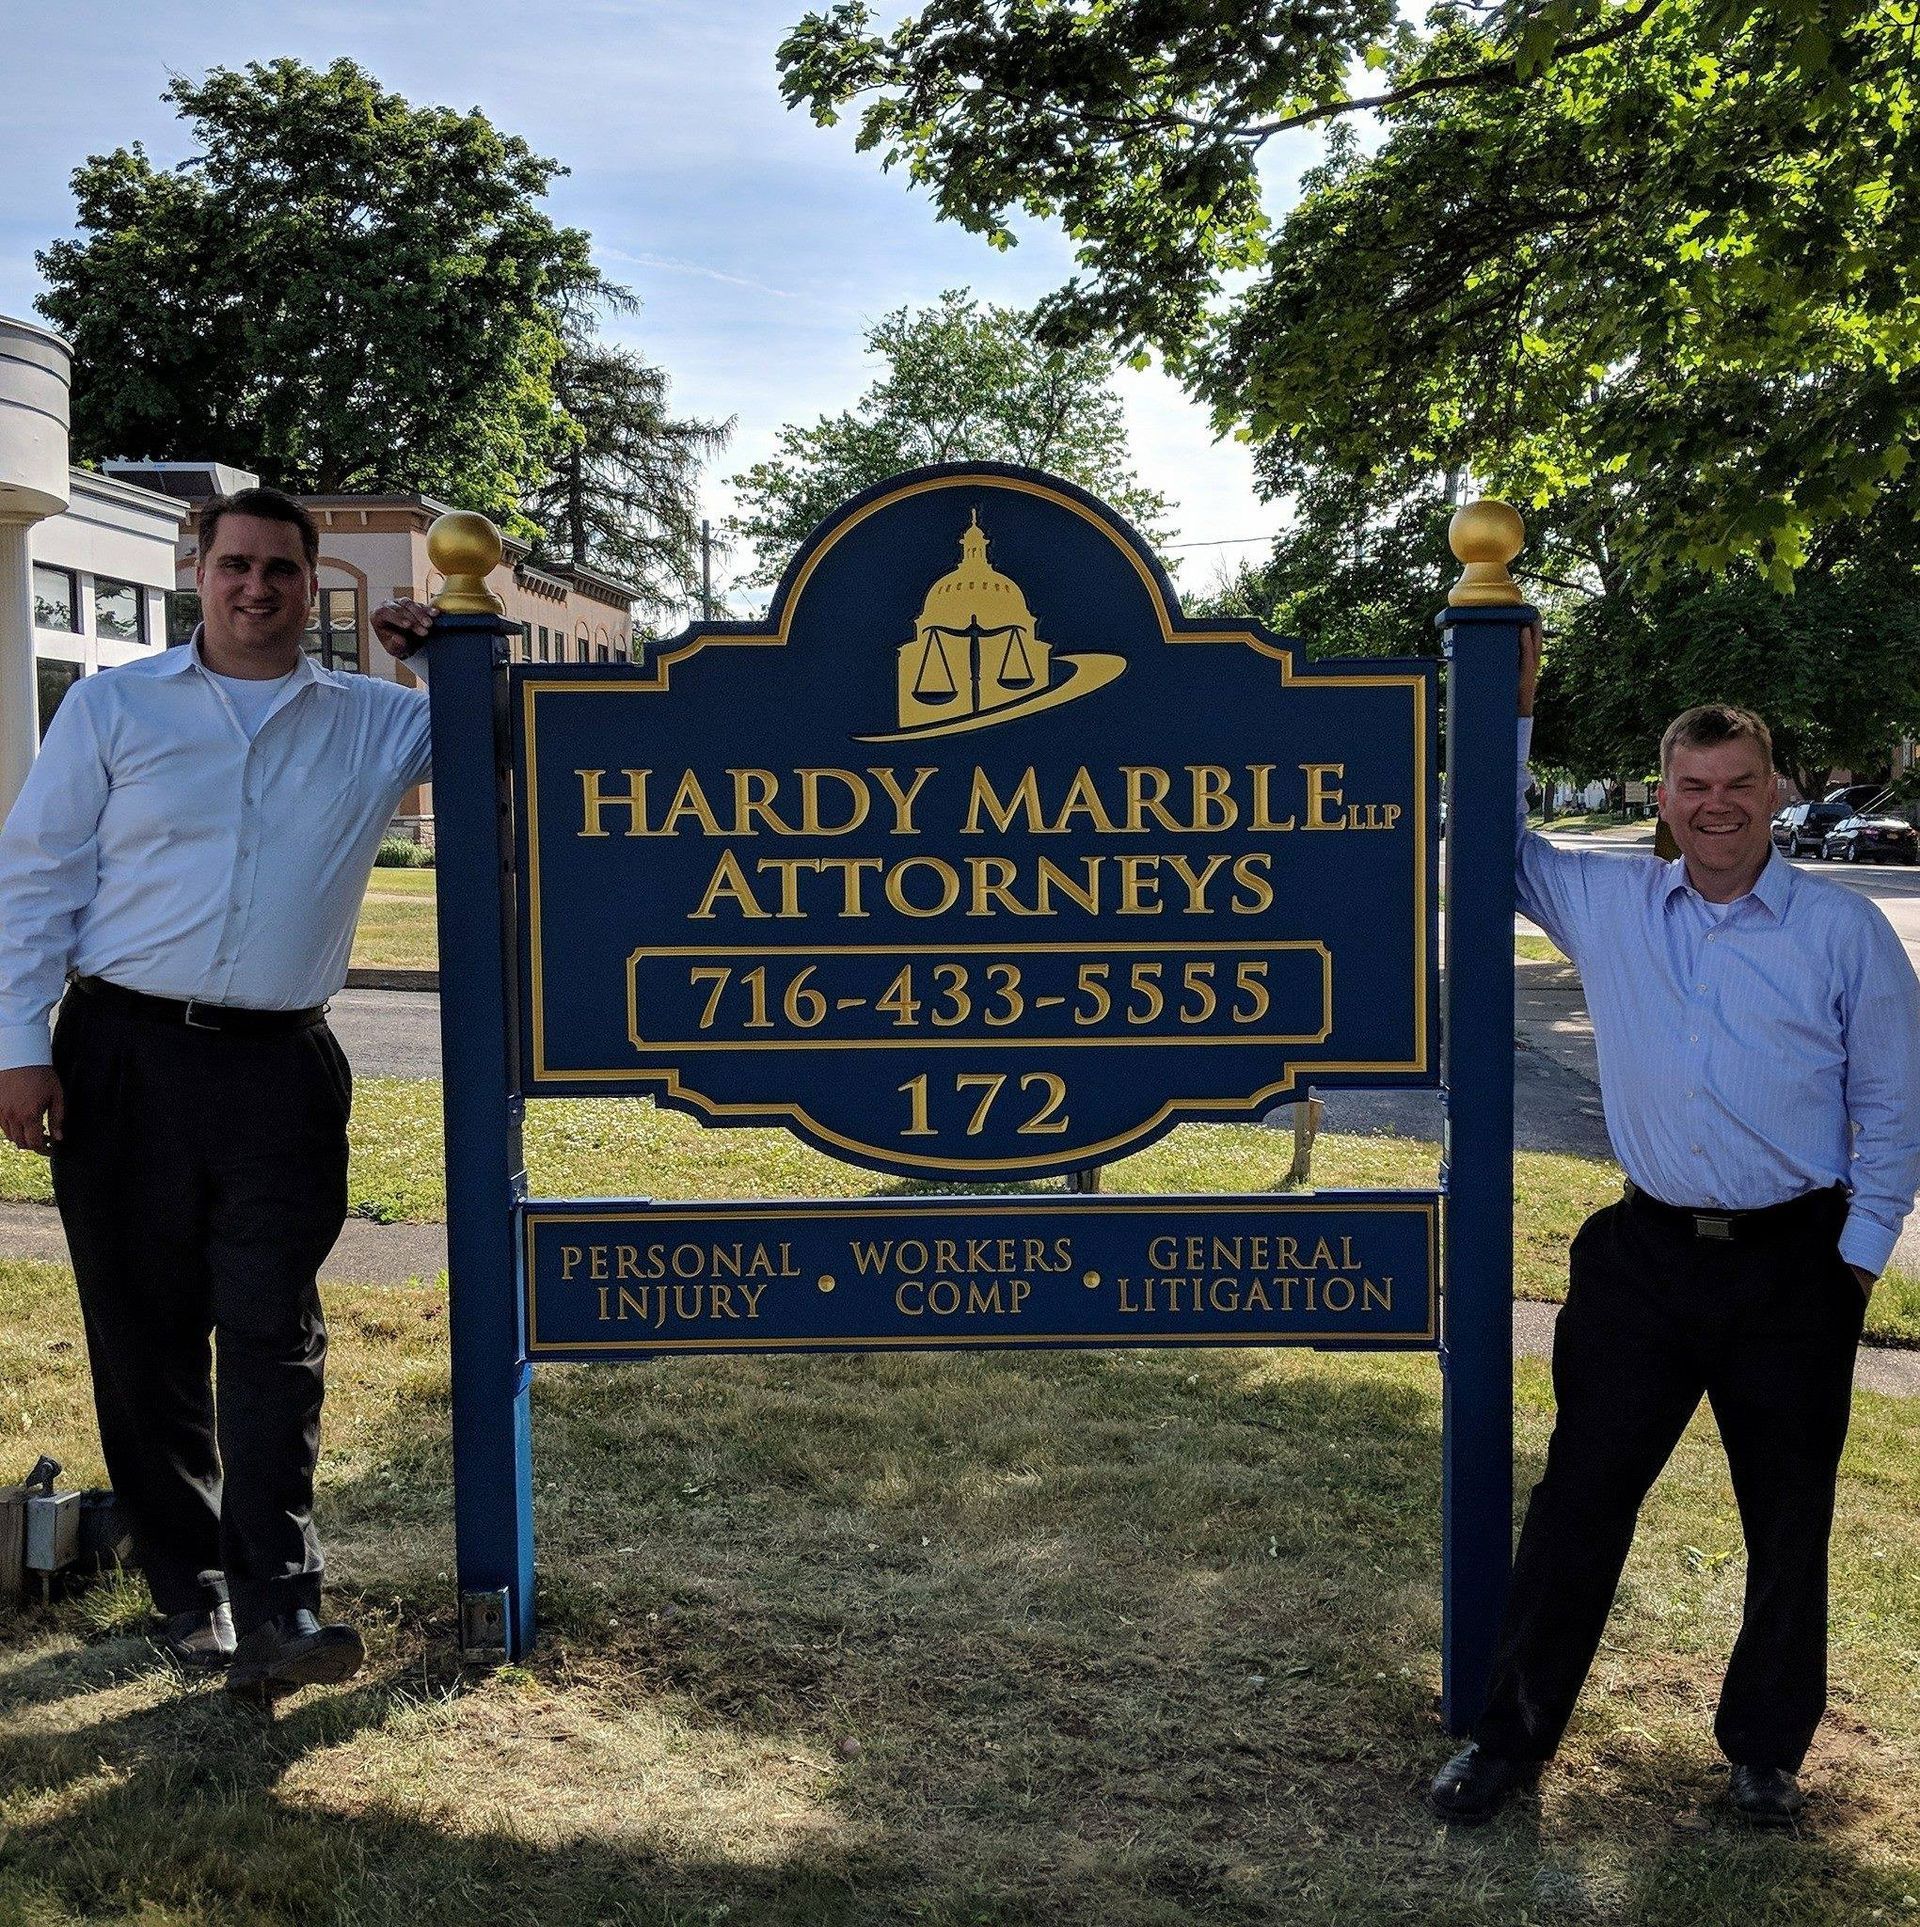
1117, 1638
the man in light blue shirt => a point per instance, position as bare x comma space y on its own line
1758, 1031
186, 862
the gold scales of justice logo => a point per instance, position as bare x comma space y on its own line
976, 660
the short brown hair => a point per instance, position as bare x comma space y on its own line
270, 506
1711, 724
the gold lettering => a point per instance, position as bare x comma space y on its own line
982, 798
1376, 1297
896, 886
852, 868
1324, 796
993, 886
1256, 1298
570, 1256
1213, 804
627, 1301
753, 794
902, 800
603, 1304
689, 799
1140, 886
812, 822
1197, 885
1251, 872
788, 869
1263, 819
1051, 876
593, 802
1083, 799
1147, 789
626, 1262
729, 881
597, 1262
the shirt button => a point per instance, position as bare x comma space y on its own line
1697, 1152
1699, 986
1694, 1037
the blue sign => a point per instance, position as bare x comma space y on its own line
976, 857
628, 1280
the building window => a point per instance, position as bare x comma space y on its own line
56, 603
333, 629
183, 616
523, 642
119, 610
55, 679
546, 642
606, 654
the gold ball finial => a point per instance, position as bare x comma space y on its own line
465, 548
1486, 535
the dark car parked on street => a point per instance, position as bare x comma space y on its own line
1801, 829
1873, 839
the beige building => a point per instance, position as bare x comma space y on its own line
373, 547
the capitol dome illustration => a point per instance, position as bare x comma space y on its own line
974, 646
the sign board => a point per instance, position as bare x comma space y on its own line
934, 1273
977, 858
1636, 792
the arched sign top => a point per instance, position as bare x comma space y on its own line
961, 864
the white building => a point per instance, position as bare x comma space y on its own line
103, 573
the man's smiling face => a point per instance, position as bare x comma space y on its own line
1717, 802
255, 592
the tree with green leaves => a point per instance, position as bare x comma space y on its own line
338, 289
1352, 575
620, 492
1834, 668
959, 382
1642, 264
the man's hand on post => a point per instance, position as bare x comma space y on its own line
1529, 666
33, 1109
402, 625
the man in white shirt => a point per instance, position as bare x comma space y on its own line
186, 861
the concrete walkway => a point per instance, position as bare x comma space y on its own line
380, 1254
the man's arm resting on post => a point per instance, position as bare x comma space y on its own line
1550, 884
1883, 1099
47, 874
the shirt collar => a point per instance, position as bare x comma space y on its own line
1771, 888
184, 656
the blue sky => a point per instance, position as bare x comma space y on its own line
760, 245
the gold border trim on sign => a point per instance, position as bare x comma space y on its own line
1426, 1206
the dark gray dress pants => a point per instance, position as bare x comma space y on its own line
202, 1178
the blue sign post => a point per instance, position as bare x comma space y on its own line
976, 859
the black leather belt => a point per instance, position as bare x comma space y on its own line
1738, 1227
234, 1019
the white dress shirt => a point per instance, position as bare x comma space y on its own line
1749, 1051
156, 844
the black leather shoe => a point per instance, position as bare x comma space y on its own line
1766, 1796
200, 1641
292, 1651
1474, 1785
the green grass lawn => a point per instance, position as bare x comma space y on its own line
1122, 1639
396, 926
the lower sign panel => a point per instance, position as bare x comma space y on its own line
618, 1280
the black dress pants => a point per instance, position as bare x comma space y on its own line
1655, 1316
202, 1178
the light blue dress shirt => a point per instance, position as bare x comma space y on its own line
1749, 1052
159, 845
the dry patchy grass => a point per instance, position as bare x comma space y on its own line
1111, 1638
397, 921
